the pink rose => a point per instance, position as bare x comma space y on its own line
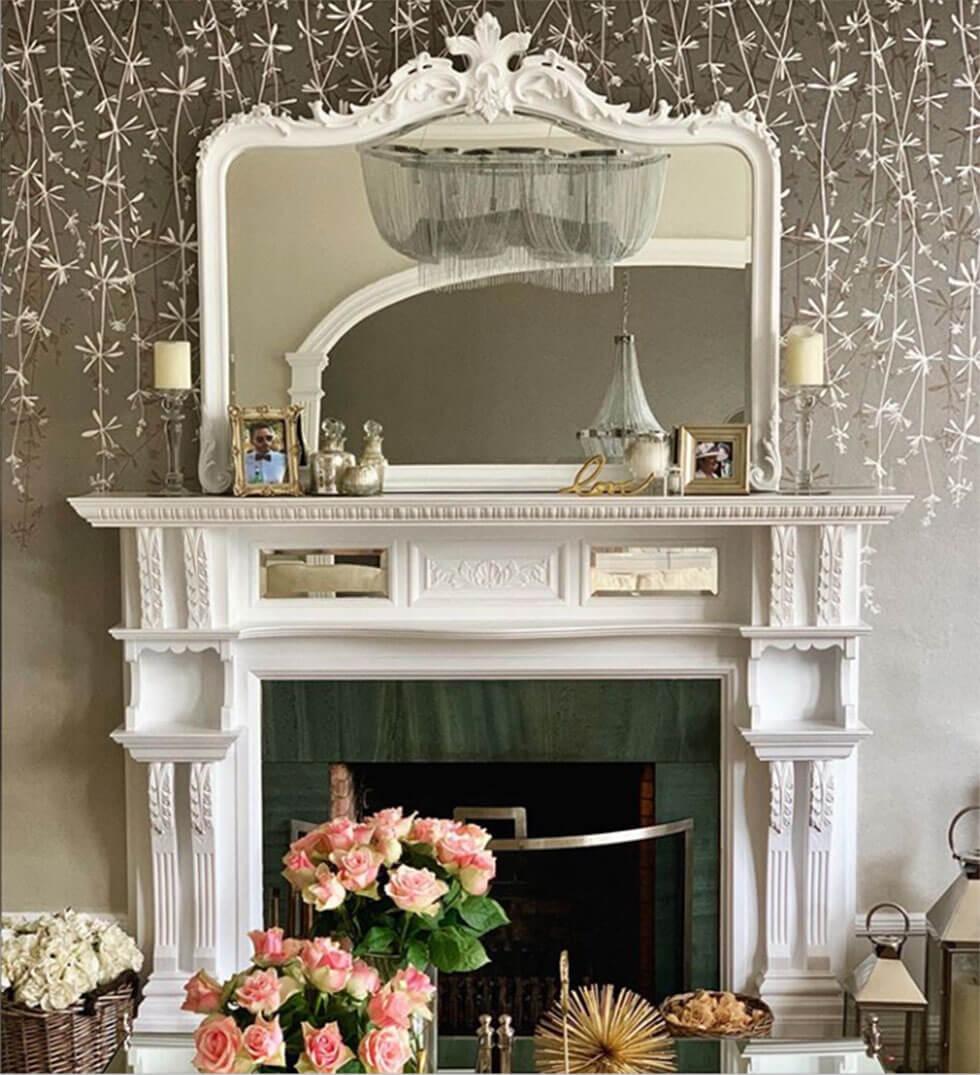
203, 994
216, 1044
340, 833
323, 1049
415, 891
325, 891
358, 870
418, 987
390, 1007
316, 844
364, 980
460, 845
299, 868
479, 871
427, 830
385, 1051
386, 843
363, 833
271, 948
326, 964
393, 818
263, 992
263, 1042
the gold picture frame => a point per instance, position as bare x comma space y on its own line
256, 476
714, 460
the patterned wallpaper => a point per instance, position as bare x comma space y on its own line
876, 106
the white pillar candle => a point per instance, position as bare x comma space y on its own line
804, 357
172, 364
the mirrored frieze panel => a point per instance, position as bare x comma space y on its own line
651, 570
323, 573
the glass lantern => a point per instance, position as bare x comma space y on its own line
882, 984
953, 965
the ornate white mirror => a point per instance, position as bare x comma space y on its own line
482, 387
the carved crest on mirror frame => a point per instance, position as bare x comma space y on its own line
497, 79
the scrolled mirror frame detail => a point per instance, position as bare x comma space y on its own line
427, 88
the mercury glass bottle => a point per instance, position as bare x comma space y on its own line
332, 460
374, 447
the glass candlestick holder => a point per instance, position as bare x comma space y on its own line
172, 402
806, 398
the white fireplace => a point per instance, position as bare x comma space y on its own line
484, 587
469, 566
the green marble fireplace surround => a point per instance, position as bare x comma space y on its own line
577, 753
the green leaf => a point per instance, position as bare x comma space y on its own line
418, 953
453, 949
379, 940
481, 913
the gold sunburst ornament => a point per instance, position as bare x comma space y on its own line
603, 1029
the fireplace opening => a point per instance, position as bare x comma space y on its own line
617, 909
579, 759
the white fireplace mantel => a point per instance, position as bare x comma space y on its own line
485, 586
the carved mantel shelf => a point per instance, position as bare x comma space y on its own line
425, 509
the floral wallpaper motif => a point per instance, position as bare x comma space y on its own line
876, 106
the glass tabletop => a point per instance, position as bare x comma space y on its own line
157, 1054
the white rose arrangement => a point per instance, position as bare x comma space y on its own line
52, 961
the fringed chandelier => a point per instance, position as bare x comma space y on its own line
467, 217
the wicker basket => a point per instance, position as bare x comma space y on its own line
83, 1037
761, 1029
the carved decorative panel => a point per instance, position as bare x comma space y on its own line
484, 571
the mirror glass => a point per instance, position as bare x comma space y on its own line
506, 373
648, 570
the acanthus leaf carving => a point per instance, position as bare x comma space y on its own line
201, 795
161, 798
821, 805
512, 574
197, 579
830, 575
149, 555
765, 478
781, 790
782, 581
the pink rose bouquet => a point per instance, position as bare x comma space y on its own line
392, 891
311, 1007
410, 890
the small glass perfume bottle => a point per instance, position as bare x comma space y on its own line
373, 447
675, 483
332, 460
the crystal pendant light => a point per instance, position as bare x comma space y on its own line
625, 412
